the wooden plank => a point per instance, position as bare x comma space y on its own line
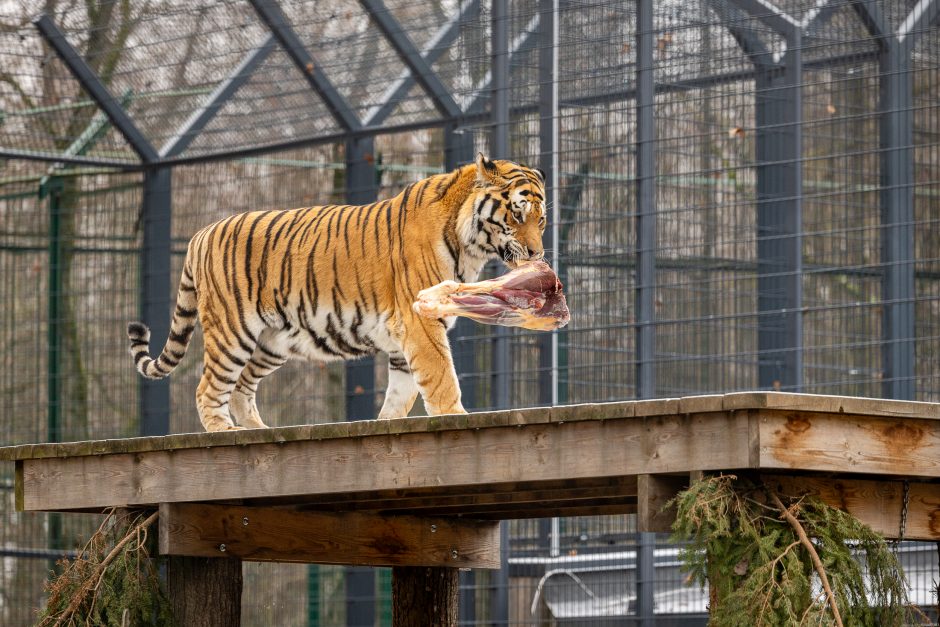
506, 511
875, 503
269, 534
825, 403
700, 404
619, 509
471, 497
848, 443
439, 460
654, 491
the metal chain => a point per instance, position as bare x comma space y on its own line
905, 501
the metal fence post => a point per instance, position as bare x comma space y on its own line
52, 189
548, 158
779, 220
646, 204
646, 579
155, 298
361, 188
499, 147
501, 379
645, 268
897, 221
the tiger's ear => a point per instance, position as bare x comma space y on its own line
487, 172
541, 173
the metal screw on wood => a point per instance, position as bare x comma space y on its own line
222, 548
433, 528
453, 554
245, 521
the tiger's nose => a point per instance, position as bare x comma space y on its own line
535, 255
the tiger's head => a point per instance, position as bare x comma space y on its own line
508, 212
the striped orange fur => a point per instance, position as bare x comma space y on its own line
337, 282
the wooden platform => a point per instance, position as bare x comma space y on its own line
425, 495
573, 460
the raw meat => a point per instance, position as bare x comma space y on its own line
529, 296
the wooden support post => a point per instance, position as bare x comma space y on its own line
205, 591
653, 492
424, 597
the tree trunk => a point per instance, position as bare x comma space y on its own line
205, 591
424, 597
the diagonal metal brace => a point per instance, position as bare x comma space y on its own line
924, 15
200, 118
819, 16
875, 23
441, 40
271, 14
92, 84
525, 42
771, 15
421, 69
747, 39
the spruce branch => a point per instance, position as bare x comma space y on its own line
111, 574
83, 591
814, 556
743, 539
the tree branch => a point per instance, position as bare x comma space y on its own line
817, 563
79, 595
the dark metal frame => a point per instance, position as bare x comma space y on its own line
646, 203
779, 201
499, 149
779, 193
270, 13
198, 121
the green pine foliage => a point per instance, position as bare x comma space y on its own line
760, 574
112, 582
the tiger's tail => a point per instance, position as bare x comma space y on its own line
181, 331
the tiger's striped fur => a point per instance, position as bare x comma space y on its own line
337, 282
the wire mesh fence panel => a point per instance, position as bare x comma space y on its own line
68, 257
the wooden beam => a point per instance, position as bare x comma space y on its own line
654, 491
470, 499
848, 443
547, 510
281, 535
437, 460
875, 503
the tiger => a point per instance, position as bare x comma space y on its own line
337, 282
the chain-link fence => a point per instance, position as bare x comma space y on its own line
745, 195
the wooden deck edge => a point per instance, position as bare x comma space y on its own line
516, 417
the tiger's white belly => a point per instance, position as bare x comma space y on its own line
331, 335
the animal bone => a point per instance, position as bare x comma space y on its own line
529, 296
